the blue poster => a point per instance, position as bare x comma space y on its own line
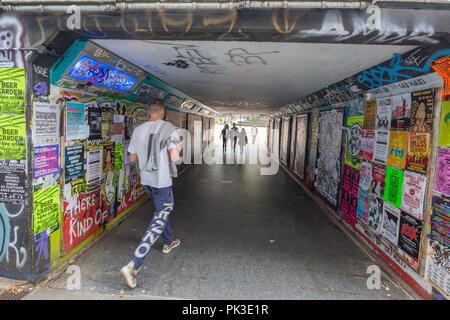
76, 127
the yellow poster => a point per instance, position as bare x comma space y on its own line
444, 127
12, 91
13, 142
398, 146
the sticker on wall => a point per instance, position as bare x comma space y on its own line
367, 144
384, 112
46, 160
12, 137
393, 187
74, 162
391, 223
409, 236
46, 209
12, 180
444, 125
401, 109
413, 193
442, 179
418, 151
45, 124
93, 166
353, 143
421, 111
12, 91
370, 115
378, 179
440, 220
381, 148
76, 127
398, 144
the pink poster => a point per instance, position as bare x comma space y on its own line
413, 193
442, 183
367, 144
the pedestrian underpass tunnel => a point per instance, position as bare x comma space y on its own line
344, 169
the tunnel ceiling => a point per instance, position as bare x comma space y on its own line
249, 77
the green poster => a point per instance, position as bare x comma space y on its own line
444, 127
12, 90
118, 152
393, 186
13, 142
353, 142
46, 209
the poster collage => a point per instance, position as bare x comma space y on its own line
385, 174
100, 182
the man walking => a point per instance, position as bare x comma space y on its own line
254, 133
156, 146
235, 134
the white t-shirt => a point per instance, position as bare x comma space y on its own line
139, 145
254, 131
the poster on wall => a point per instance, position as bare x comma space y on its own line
350, 186
398, 144
442, 179
367, 144
12, 181
45, 124
378, 179
393, 187
329, 154
13, 137
418, 151
128, 129
118, 153
117, 129
365, 175
93, 166
76, 127
108, 157
82, 217
126, 155
94, 120
364, 204
381, 148
410, 235
444, 125
12, 90
440, 220
46, 160
107, 120
353, 141
401, 109
437, 270
285, 139
413, 193
391, 223
370, 115
300, 148
74, 162
421, 111
46, 209
384, 112
375, 218
41, 75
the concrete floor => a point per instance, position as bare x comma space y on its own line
243, 236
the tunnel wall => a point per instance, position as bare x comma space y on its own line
380, 162
65, 175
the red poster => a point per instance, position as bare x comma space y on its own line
367, 144
82, 217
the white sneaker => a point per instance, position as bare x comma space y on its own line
129, 274
167, 248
